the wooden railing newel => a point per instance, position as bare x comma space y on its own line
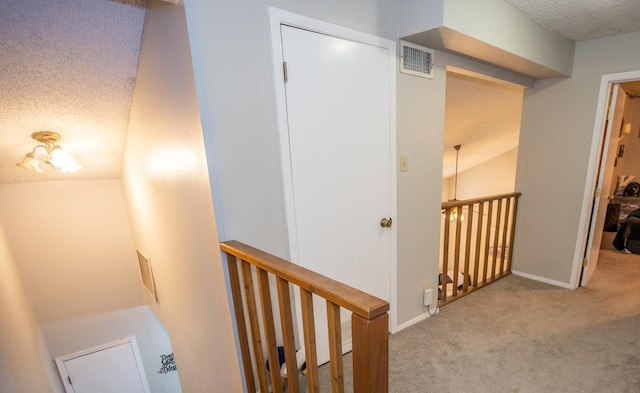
370, 351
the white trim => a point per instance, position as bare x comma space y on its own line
542, 279
592, 170
415, 320
277, 18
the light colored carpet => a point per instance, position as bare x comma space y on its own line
519, 335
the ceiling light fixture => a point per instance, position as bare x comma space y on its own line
52, 154
455, 185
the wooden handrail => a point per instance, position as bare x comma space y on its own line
465, 202
369, 324
354, 300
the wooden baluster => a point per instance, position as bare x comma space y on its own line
445, 256
476, 265
456, 251
496, 236
286, 319
467, 248
370, 351
241, 324
309, 328
252, 310
504, 235
270, 331
336, 295
335, 347
487, 242
512, 232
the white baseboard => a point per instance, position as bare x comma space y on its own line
542, 279
413, 321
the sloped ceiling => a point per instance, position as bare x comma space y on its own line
481, 115
70, 66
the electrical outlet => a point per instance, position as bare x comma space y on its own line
428, 296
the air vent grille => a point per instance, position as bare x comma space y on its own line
147, 275
416, 60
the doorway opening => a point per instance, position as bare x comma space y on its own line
481, 138
615, 148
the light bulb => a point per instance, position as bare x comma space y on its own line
30, 163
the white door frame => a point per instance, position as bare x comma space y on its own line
592, 169
127, 340
278, 17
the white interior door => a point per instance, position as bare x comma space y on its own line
605, 173
114, 367
338, 161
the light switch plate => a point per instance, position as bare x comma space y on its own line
403, 163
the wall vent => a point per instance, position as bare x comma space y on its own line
416, 60
147, 275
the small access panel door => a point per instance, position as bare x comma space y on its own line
113, 367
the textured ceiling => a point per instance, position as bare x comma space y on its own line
583, 19
70, 66
481, 115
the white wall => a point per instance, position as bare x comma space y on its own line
239, 123
501, 25
24, 365
76, 334
492, 31
165, 181
555, 142
237, 101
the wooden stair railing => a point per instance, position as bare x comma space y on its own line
369, 323
480, 231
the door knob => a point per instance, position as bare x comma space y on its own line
385, 222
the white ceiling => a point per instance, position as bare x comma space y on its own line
583, 20
70, 66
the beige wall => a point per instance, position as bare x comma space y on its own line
24, 365
72, 244
496, 176
555, 144
73, 247
629, 164
166, 184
